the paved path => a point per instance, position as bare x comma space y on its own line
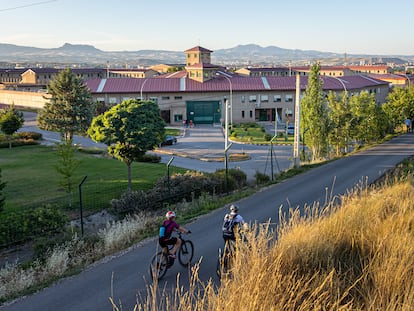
202, 147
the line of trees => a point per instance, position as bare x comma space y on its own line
330, 123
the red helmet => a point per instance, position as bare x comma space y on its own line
170, 214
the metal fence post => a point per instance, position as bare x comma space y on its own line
80, 203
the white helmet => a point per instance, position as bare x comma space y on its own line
170, 214
234, 208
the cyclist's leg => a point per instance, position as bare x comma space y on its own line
177, 243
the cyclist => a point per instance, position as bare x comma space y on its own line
232, 221
166, 239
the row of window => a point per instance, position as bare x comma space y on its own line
265, 98
252, 98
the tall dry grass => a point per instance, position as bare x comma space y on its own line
358, 256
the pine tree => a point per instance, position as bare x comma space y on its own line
70, 108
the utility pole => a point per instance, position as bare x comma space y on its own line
296, 158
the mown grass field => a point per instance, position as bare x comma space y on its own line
256, 135
32, 180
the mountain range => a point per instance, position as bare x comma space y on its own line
241, 55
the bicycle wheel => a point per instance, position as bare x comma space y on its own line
186, 253
158, 266
219, 266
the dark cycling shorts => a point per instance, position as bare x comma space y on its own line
165, 243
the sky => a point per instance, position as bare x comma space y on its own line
376, 27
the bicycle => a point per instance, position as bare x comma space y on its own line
160, 262
225, 258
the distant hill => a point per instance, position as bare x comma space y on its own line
241, 55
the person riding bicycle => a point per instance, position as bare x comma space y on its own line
169, 226
232, 222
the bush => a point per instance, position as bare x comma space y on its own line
261, 178
18, 143
19, 226
267, 137
151, 158
179, 187
29, 135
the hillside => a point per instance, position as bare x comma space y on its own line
240, 55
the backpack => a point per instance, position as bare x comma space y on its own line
162, 231
228, 227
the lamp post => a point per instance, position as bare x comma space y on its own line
226, 124
231, 96
343, 84
142, 87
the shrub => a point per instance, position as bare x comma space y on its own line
152, 158
261, 178
18, 143
18, 226
29, 135
180, 187
267, 137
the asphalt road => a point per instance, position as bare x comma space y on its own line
125, 276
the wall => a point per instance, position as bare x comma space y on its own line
23, 99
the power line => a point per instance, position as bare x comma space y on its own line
27, 5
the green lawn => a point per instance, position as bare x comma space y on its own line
32, 180
256, 135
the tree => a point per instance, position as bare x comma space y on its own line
314, 119
129, 129
400, 105
11, 120
67, 164
339, 117
2, 199
371, 122
70, 108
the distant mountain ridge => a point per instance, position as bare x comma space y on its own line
238, 55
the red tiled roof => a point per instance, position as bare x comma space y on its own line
220, 84
198, 49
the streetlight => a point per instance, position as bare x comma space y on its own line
142, 87
226, 142
231, 95
343, 84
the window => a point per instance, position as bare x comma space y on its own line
277, 98
178, 97
165, 97
154, 99
178, 118
289, 98
242, 114
112, 100
264, 98
243, 98
252, 98
251, 114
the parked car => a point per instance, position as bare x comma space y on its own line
291, 129
169, 140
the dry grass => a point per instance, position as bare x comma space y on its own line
356, 257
